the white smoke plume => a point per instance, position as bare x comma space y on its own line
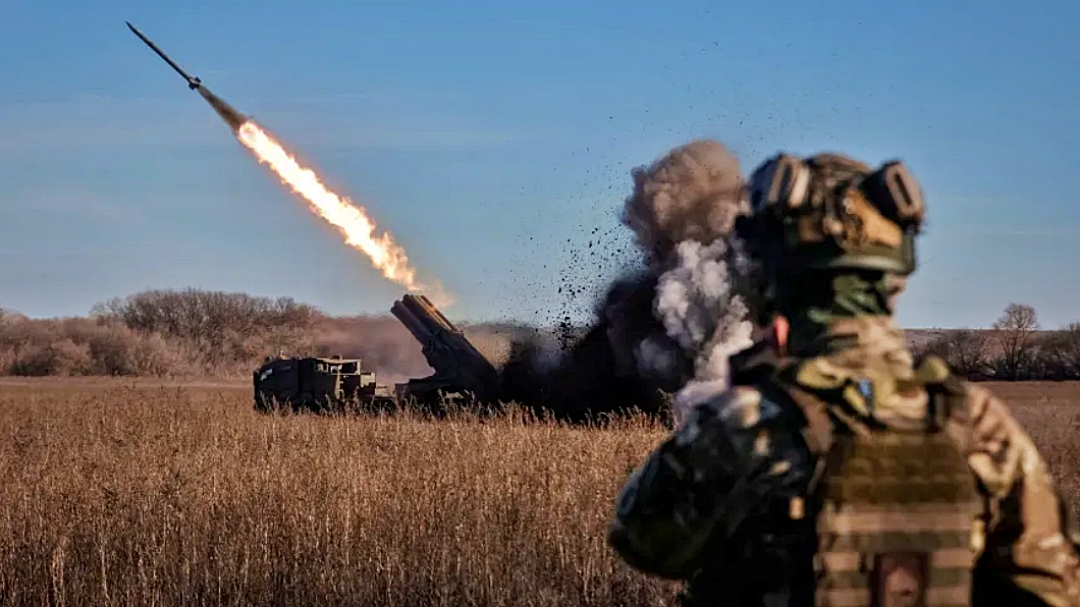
700, 308
683, 211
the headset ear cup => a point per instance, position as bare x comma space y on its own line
896, 193
910, 258
799, 186
783, 180
905, 191
789, 182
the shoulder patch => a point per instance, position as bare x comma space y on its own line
866, 389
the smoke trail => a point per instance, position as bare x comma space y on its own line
353, 222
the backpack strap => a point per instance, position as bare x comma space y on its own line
818, 435
817, 428
947, 396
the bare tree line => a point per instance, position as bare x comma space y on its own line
216, 334
196, 333
162, 333
1014, 349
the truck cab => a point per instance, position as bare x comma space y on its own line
311, 383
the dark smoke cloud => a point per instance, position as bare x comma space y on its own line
663, 333
599, 372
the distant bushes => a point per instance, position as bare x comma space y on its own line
82, 346
158, 333
1013, 350
194, 333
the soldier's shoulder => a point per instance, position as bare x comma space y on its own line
978, 397
985, 405
976, 400
981, 407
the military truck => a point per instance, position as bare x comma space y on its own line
461, 371
316, 384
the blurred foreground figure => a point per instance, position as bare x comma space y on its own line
834, 472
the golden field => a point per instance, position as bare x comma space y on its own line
131, 493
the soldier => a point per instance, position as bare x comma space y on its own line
834, 471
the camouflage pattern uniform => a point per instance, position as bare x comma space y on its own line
841, 474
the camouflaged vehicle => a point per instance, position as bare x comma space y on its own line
462, 372
315, 384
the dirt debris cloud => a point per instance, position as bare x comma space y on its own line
668, 327
693, 193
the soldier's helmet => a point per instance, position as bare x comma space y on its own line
832, 212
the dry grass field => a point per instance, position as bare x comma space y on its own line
123, 493
113, 495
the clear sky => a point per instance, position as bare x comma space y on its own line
495, 140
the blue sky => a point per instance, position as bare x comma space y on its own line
495, 140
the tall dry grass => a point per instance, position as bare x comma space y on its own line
184, 496
114, 495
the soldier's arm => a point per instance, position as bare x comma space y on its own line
731, 454
1027, 542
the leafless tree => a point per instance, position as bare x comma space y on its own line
1014, 331
223, 326
965, 351
1062, 353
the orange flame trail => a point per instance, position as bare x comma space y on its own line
352, 220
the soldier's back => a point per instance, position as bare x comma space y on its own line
852, 478
929, 487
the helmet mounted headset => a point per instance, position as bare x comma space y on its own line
830, 212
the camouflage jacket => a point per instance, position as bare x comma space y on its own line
719, 503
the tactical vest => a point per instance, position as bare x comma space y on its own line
894, 498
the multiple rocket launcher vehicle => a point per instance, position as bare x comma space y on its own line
461, 370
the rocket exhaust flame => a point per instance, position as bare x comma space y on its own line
352, 220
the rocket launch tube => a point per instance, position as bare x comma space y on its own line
411, 322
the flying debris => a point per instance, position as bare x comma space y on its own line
231, 117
